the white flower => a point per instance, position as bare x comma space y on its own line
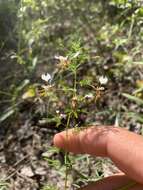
46, 77
63, 116
103, 80
89, 96
57, 111
61, 58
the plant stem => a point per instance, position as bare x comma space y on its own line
75, 78
67, 127
66, 153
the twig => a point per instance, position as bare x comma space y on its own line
16, 170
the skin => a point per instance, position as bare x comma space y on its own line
124, 148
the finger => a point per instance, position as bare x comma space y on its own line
111, 142
137, 187
115, 182
91, 140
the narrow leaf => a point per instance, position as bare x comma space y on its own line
133, 98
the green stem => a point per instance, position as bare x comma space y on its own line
66, 153
75, 79
67, 127
131, 27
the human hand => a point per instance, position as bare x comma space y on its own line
122, 146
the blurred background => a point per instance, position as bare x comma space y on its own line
32, 33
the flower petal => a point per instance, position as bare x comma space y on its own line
103, 80
46, 77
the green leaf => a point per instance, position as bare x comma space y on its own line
3, 185
9, 112
86, 82
137, 117
133, 98
30, 93
75, 114
49, 187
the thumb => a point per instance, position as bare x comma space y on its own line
92, 140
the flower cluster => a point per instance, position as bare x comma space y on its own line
63, 62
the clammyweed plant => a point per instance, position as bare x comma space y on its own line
70, 87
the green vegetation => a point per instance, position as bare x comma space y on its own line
47, 187
3, 186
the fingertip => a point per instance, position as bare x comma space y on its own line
58, 140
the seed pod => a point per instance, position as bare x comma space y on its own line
74, 102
